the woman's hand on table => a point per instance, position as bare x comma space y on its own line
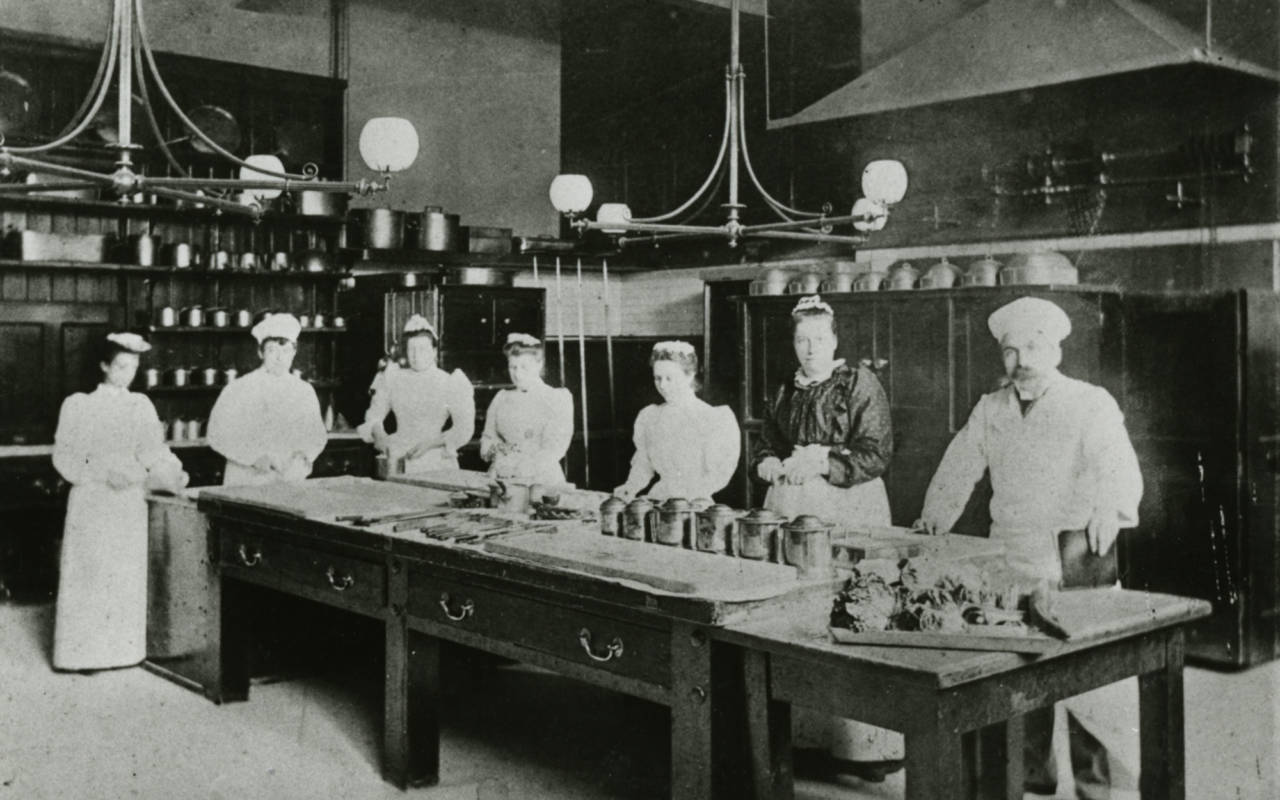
422, 448
771, 470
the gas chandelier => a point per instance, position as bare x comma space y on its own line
884, 183
387, 144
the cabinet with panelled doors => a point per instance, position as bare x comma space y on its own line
1194, 373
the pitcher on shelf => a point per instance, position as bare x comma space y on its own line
527, 429
424, 399
267, 424
826, 441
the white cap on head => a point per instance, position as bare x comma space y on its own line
129, 341
522, 338
812, 303
417, 322
277, 326
1027, 316
674, 346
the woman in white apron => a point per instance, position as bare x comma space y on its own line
267, 424
109, 446
826, 441
424, 399
691, 446
527, 429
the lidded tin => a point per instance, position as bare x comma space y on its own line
758, 535
806, 545
715, 533
635, 520
674, 519
611, 511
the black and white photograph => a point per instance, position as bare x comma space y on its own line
640, 399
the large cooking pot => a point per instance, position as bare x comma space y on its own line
478, 276
378, 228
438, 231
983, 272
1039, 268
313, 203
942, 275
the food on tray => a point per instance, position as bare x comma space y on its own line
549, 510
927, 594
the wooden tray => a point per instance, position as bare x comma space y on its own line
935, 640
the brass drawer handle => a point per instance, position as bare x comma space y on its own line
465, 610
249, 560
614, 649
339, 584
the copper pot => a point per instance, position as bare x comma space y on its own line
806, 545
1039, 268
758, 535
942, 275
438, 231
673, 522
983, 272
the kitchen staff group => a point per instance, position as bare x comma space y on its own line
1055, 448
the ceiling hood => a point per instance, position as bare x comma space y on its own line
1009, 45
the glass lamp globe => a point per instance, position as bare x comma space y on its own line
884, 181
266, 162
388, 144
571, 194
613, 213
875, 215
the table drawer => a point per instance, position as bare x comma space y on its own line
593, 640
344, 580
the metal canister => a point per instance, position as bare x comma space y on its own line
193, 429
716, 530
635, 520
209, 376
674, 519
178, 430
806, 545
758, 535
611, 511
151, 377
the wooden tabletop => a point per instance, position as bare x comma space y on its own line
802, 633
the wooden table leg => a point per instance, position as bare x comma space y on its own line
691, 756
1162, 735
411, 702
768, 732
935, 765
234, 623
999, 761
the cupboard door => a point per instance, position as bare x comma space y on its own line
772, 357
520, 313
466, 320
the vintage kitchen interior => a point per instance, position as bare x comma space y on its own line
640, 398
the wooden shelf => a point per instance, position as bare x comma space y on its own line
201, 389
228, 329
134, 269
107, 207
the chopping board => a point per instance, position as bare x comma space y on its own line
674, 570
327, 498
1085, 614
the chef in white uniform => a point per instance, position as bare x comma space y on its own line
1060, 459
527, 430
267, 424
691, 446
424, 398
109, 446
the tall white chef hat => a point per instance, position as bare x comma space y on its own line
1029, 315
277, 326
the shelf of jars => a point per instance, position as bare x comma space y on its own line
86, 207
170, 271
231, 330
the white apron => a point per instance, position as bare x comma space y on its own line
845, 508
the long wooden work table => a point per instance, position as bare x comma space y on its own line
522, 595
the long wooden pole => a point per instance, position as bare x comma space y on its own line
582, 384
608, 353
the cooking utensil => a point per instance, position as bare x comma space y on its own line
903, 276
1039, 268
248, 262
488, 240
178, 255
144, 249
840, 282
193, 316
59, 187
178, 429
339, 322
318, 320
166, 317
313, 203
983, 272
243, 318
35, 246
808, 283
758, 535
379, 228
611, 511
636, 520
870, 281
209, 376
438, 231
672, 523
773, 281
304, 320
220, 260
716, 529
478, 276
509, 496
280, 261
806, 545
219, 317
178, 377
151, 377
942, 275
193, 429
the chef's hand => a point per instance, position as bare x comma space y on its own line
624, 492
381, 439
929, 526
770, 470
1104, 527
422, 448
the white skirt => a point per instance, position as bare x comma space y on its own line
101, 615
846, 508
